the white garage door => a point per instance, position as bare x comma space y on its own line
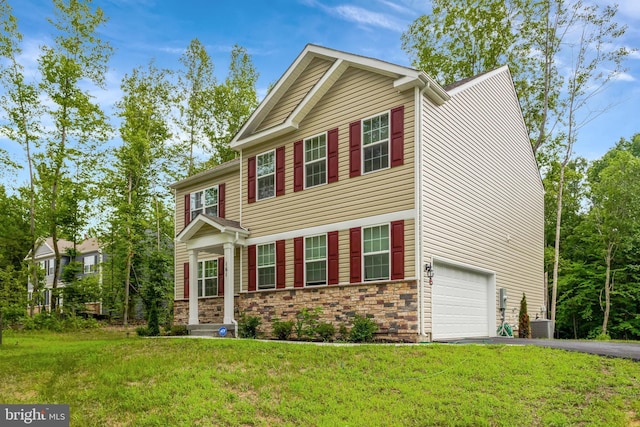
462, 304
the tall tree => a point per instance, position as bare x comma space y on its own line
615, 198
135, 179
77, 56
23, 110
197, 86
234, 101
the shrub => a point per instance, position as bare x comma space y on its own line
248, 326
363, 329
306, 322
603, 337
282, 330
524, 328
178, 330
343, 332
325, 331
143, 331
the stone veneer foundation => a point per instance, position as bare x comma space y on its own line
393, 306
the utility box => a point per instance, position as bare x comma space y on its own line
541, 328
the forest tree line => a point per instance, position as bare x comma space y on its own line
174, 123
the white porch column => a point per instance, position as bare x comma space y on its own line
193, 287
229, 279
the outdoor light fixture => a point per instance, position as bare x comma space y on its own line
429, 269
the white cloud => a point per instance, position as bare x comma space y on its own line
359, 15
623, 77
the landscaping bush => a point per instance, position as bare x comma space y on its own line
524, 327
282, 330
306, 322
363, 329
178, 330
325, 331
143, 331
248, 326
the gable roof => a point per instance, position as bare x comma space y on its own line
221, 224
405, 78
44, 247
208, 174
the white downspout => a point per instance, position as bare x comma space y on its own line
419, 208
233, 320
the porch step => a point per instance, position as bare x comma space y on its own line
211, 330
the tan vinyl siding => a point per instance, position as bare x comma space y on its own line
231, 180
483, 199
343, 254
309, 77
380, 192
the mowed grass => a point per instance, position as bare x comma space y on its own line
109, 379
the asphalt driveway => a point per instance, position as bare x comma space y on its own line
601, 348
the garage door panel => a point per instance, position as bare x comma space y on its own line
460, 303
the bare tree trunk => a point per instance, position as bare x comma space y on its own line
556, 252
127, 281
608, 285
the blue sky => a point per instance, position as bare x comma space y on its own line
275, 31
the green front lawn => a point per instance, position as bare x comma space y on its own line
113, 380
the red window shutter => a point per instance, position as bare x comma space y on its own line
397, 250
280, 171
280, 265
221, 276
333, 266
355, 149
251, 179
298, 166
397, 136
186, 280
187, 209
252, 267
221, 200
355, 251
298, 262
332, 158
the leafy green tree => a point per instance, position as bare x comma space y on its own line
22, 108
234, 102
77, 57
136, 178
197, 86
615, 198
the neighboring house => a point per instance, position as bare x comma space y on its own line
356, 180
89, 255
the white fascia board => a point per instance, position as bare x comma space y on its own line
478, 80
195, 225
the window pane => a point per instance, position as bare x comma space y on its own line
196, 200
376, 266
212, 210
266, 277
211, 196
211, 268
376, 239
375, 129
266, 164
315, 148
266, 255
200, 294
316, 248
317, 273
376, 156
266, 187
316, 173
210, 287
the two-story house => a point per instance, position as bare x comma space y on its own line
89, 254
364, 187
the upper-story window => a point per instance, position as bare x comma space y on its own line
89, 263
266, 175
267, 266
315, 259
204, 201
315, 160
375, 143
208, 278
376, 252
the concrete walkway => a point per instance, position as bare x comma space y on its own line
601, 348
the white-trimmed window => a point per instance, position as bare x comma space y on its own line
375, 143
266, 175
267, 266
89, 263
376, 252
208, 278
204, 201
315, 260
315, 160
